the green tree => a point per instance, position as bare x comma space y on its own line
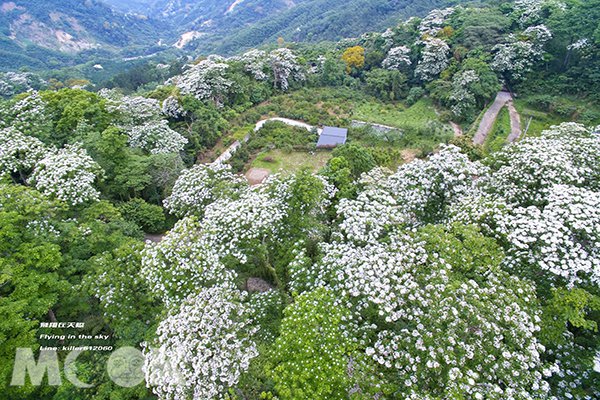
314, 348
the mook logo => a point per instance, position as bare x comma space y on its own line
124, 367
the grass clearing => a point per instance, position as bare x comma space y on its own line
537, 120
276, 160
397, 115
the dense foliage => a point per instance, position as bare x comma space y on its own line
400, 266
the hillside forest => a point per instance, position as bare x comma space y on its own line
426, 258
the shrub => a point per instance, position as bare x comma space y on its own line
150, 217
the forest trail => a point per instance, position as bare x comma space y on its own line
457, 129
487, 122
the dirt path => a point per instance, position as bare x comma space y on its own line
515, 123
256, 176
456, 128
487, 122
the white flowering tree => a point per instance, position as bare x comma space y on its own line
519, 53
434, 59
462, 97
525, 173
156, 137
182, 263
397, 58
201, 185
171, 108
12, 83
432, 301
19, 153
255, 63
434, 22
28, 115
202, 349
131, 110
68, 174
143, 121
418, 193
530, 11
286, 68
560, 239
207, 81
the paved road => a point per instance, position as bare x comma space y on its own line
291, 122
487, 122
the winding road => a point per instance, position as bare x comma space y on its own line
489, 118
227, 154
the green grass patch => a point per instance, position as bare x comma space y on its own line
497, 137
545, 110
396, 115
536, 120
276, 160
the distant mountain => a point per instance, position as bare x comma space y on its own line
35, 31
318, 20
54, 33
228, 26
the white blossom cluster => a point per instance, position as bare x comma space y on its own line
28, 115
563, 238
19, 152
434, 59
203, 348
255, 63
156, 137
206, 80
171, 108
12, 83
285, 67
397, 58
142, 120
236, 227
516, 57
434, 22
541, 199
201, 185
525, 173
182, 263
462, 97
67, 174
531, 10
132, 110
451, 337
417, 193
579, 44
388, 38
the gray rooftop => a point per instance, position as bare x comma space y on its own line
332, 137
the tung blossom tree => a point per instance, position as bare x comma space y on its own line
201, 349
255, 62
516, 57
201, 185
68, 174
286, 68
206, 80
397, 58
156, 137
19, 153
434, 59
